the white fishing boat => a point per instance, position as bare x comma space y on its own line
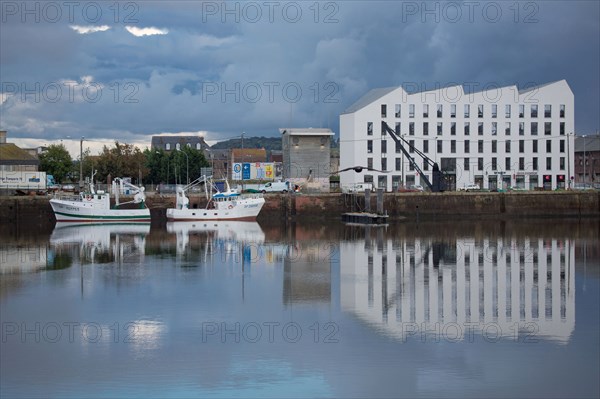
94, 206
227, 205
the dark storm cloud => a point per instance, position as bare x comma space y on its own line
241, 71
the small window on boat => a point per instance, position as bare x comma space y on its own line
205, 214
193, 214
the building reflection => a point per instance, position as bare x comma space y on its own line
515, 284
101, 243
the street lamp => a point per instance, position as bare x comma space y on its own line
187, 166
243, 161
584, 177
81, 163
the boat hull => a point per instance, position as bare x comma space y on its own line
73, 211
244, 211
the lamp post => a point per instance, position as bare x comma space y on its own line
584, 177
81, 163
243, 161
187, 166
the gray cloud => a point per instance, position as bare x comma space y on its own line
167, 83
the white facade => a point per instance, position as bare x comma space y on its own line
498, 138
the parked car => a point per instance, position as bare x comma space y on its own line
472, 187
68, 187
417, 187
275, 187
582, 186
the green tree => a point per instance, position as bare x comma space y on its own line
172, 166
122, 160
56, 161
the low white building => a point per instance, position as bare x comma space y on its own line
497, 138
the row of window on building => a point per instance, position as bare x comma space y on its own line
532, 165
467, 146
168, 146
480, 110
533, 128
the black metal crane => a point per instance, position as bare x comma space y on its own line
439, 180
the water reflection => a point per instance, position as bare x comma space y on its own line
100, 243
222, 234
449, 288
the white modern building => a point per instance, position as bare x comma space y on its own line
497, 138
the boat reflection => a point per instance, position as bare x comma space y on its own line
222, 236
101, 243
519, 288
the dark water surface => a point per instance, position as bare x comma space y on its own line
461, 309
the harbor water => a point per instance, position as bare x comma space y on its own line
239, 309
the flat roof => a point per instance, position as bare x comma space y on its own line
307, 131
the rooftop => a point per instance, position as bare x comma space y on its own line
306, 131
11, 154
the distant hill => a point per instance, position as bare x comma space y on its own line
268, 143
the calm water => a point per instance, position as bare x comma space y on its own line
464, 309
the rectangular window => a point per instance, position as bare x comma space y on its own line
398, 163
411, 166
425, 110
548, 146
521, 110
480, 128
398, 149
521, 146
479, 163
440, 107
506, 164
466, 164
494, 110
562, 129
369, 128
548, 163
547, 128
452, 110
397, 128
439, 128
453, 146
480, 111
411, 128
494, 128
383, 111
370, 163
398, 110
534, 163
383, 164
467, 111
521, 163
383, 128
167, 146
534, 145
534, 128
507, 128
494, 146
425, 146
411, 146
561, 161
494, 163
425, 165
383, 146
534, 111
480, 146
507, 146
453, 128
562, 110
521, 128
467, 146
369, 146
425, 128
547, 111
562, 146
440, 146
507, 110
467, 128
411, 110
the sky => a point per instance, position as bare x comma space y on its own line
127, 70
